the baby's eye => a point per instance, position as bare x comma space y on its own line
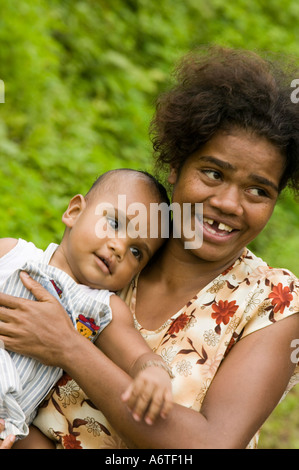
212, 174
113, 223
136, 252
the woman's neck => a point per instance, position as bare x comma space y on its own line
180, 268
175, 276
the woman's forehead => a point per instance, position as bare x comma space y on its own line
241, 145
240, 149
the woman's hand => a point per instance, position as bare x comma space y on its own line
7, 443
35, 328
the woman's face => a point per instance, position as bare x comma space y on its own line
236, 177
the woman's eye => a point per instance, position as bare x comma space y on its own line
135, 252
212, 174
258, 192
113, 223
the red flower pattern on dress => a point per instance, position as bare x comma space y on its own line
223, 311
70, 442
63, 380
281, 297
178, 324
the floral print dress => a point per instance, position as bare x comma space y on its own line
245, 298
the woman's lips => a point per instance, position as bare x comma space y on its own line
218, 231
218, 226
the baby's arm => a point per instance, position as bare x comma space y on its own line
11, 398
7, 244
149, 395
35, 440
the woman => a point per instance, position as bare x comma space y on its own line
229, 133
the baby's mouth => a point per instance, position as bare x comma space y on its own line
105, 261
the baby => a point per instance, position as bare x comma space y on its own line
100, 253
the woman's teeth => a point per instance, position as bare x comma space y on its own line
218, 226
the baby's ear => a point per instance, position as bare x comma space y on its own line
76, 206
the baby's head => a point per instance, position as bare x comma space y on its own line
112, 232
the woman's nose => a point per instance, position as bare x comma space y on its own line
228, 200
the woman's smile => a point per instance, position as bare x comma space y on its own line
216, 228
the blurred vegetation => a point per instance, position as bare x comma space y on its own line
81, 78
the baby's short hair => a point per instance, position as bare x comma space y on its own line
153, 182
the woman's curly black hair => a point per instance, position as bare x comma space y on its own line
222, 88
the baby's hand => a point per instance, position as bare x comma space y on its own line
150, 393
7, 443
9, 440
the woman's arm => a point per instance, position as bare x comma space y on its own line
245, 390
150, 393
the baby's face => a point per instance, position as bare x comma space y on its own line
114, 234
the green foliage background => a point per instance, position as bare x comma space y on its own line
81, 78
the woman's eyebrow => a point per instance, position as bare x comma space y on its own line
221, 163
262, 180
228, 166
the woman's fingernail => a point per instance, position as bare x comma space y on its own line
24, 274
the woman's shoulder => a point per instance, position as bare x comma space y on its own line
257, 270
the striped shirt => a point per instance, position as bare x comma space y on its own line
24, 382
